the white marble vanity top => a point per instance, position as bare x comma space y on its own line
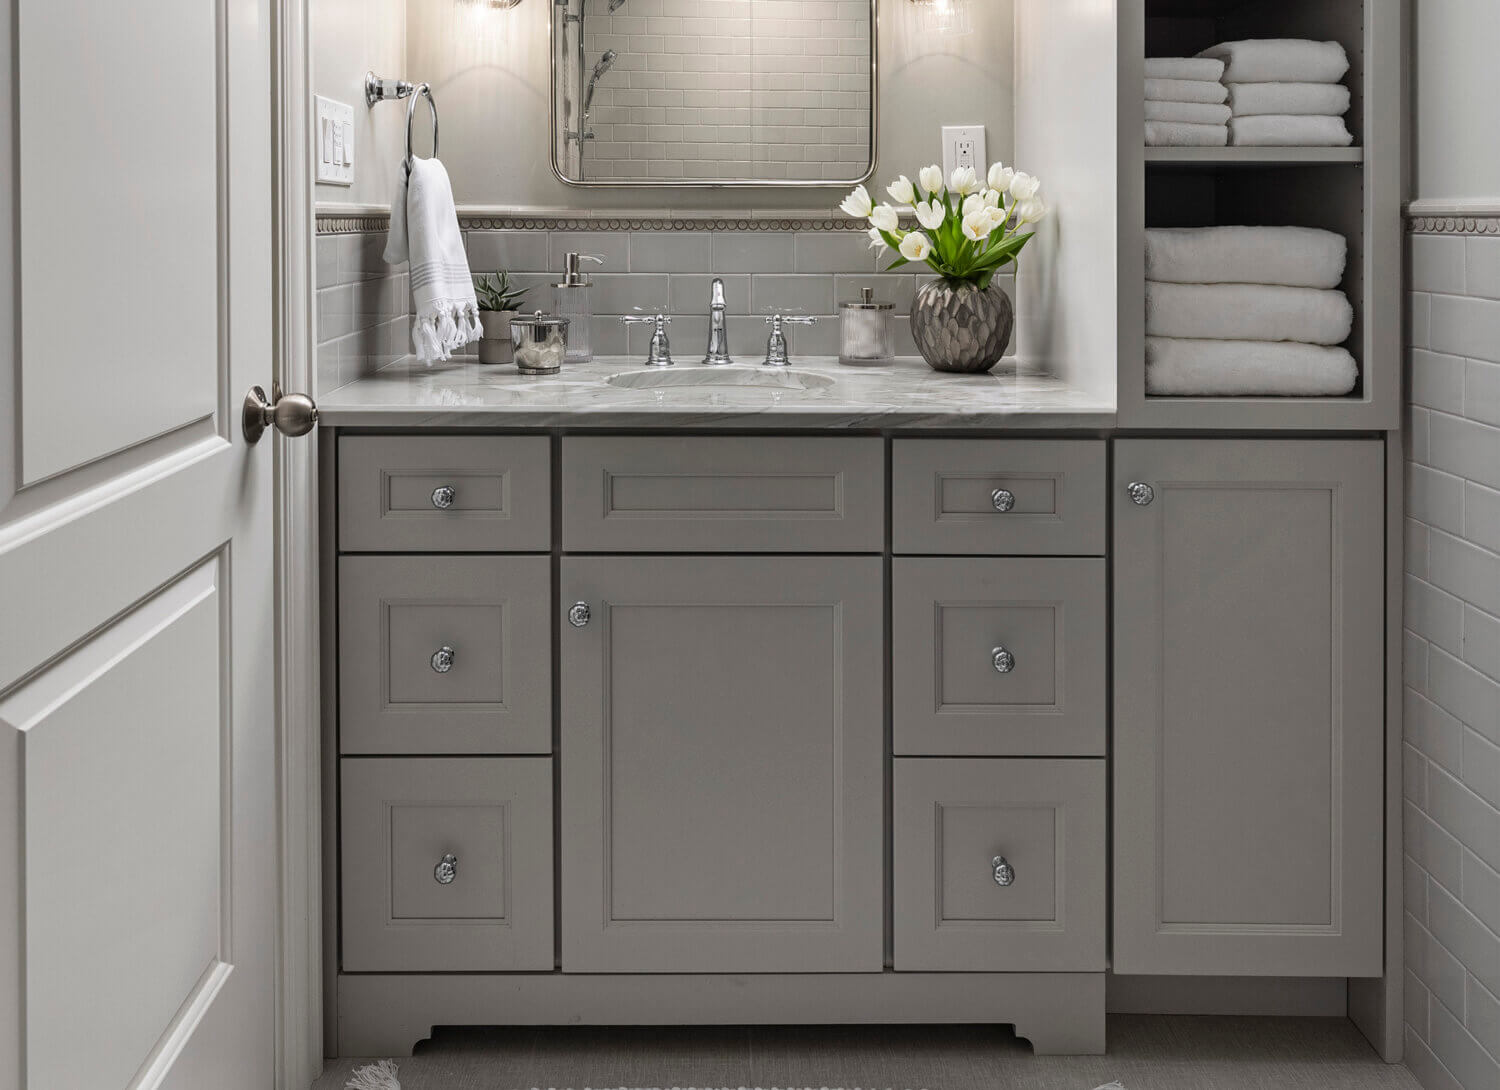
908, 394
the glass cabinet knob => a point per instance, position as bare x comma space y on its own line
1004, 661
1003, 499
443, 496
442, 659
446, 870
579, 615
1005, 874
1140, 494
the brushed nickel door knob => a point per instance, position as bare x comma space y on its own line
290, 414
446, 870
1140, 494
443, 496
1005, 874
1003, 499
1004, 661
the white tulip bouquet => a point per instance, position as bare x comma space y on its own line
968, 231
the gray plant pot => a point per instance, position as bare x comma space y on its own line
960, 328
495, 346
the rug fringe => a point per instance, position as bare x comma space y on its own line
376, 1076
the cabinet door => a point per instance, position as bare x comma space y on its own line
1248, 707
722, 738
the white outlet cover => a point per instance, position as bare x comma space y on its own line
963, 145
334, 128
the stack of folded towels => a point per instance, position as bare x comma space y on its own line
1246, 312
1185, 102
1285, 92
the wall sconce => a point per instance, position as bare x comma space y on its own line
492, 5
944, 16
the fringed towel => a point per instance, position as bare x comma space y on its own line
424, 231
376, 1076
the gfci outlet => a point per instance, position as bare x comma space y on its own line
963, 146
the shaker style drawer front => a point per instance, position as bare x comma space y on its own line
998, 657
723, 495
459, 493
447, 864
992, 497
999, 865
445, 655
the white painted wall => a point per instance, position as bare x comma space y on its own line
1456, 83
349, 38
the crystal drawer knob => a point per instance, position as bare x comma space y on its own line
442, 660
1004, 661
447, 870
579, 615
1003, 499
1005, 874
443, 496
1140, 494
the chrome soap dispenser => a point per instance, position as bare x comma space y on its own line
573, 303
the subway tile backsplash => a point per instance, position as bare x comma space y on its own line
364, 305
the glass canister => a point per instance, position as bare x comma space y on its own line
541, 343
866, 338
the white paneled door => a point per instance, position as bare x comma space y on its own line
138, 886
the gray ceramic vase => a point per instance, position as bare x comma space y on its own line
959, 327
495, 346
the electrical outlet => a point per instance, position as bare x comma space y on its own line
963, 146
334, 162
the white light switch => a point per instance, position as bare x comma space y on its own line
963, 146
335, 129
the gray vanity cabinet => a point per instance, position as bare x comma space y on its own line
722, 755
1249, 729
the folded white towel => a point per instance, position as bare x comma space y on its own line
1198, 68
1185, 90
1250, 99
1247, 312
1303, 257
1279, 60
1289, 130
424, 230
1187, 368
1195, 113
1183, 134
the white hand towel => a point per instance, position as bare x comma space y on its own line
1183, 134
1280, 60
1185, 90
1195, 113
1198, 68
424, 230
1250, 99
1302, 257
1247, 312
1289, 130
1186, 368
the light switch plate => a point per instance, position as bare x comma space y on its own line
334, 126
963, 146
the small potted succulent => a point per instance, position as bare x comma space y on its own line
967, 231
499, 302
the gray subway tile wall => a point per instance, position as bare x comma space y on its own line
1452, 664
363, 308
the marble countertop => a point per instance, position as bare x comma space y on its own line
814, 393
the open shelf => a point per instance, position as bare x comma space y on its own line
1259, 156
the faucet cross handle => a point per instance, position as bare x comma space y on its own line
776, 354
718, 334
660, 352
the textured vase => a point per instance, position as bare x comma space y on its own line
495, 344
961, 327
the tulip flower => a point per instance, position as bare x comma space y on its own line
1001, 177
931, 179
930, 214
1023, 186
902, 191
916, 246
858, 203
963, 181
978, 225
992, 198
884, 218
877, 241
973, 203
1031, 210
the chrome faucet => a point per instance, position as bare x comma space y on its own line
718, 335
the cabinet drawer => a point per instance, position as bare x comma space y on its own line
400, 818
457, 493
445, 654
998, 657
947, 497
723, 495
954, 820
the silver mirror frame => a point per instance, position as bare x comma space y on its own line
686, 183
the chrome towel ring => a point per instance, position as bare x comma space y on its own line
423, 90
382, 90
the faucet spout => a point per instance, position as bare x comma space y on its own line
718, 334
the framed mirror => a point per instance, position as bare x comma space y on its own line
713, 93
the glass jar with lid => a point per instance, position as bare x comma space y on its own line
866, 338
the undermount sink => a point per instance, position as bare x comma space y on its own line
711, 378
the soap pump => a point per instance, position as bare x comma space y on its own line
573, 303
